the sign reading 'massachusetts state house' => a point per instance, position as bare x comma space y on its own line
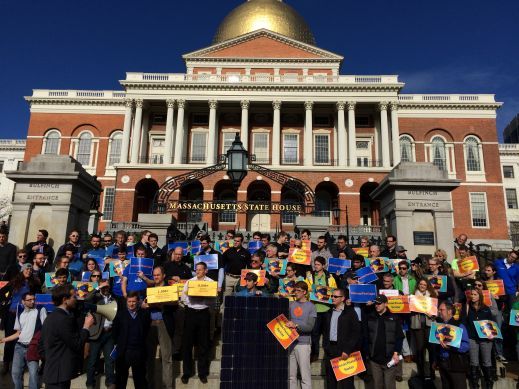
241, 207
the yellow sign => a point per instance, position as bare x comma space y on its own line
202, 288
162, 294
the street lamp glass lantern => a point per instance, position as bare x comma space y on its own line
237, 161
336, 212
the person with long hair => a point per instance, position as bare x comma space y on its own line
319, 278
420, 328
480, 349
23, 282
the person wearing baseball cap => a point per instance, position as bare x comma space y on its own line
385, 338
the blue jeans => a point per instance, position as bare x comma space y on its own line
104, 343
19, 363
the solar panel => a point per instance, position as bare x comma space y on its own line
251, 356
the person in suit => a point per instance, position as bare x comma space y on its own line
342, 331
130, 331
61, 344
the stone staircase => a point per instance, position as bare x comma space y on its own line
318, 382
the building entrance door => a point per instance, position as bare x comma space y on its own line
259, 222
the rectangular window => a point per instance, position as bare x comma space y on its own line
200, 119
362, 121
115, 151
198, 147
478, 206
260, 147
228, 138
108, 206
19, 165
83, 151
511, 198
290, 148
508, 171
322, 149
1, 166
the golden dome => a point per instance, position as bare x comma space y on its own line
273, 15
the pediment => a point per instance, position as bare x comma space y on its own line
263, 44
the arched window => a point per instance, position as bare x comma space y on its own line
116, 141
406, 149
52, 140
84, 149
472, 154
439, 155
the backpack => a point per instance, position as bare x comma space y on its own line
32, 350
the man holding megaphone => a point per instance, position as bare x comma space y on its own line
101, 334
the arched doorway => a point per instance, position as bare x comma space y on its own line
191, 191
145, 192
326, 199
293, 195
224, 192
258, 192
369, 209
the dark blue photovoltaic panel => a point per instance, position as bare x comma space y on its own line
251, 357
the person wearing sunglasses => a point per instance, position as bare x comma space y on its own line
404, 282
73, 242
342, 336
22, 257
384, 340
302, 319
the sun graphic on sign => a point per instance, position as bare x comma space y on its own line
281, 331
348, 366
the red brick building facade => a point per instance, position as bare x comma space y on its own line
340, 134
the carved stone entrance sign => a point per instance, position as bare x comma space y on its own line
415, 203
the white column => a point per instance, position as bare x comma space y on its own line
276, 133
137, 128
244, 135
169, 132
127, 129
213, 137
179, 141
341, 135
384, 134
352, 135
308, 149
395, 134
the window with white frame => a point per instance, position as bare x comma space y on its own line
227, 216
473, 154
52, 141
321, 149
114, 155
84, 149
108, 205
363, 147
406, 149
478, 209
439, 153
228, 138
157, 149
260, 146
198, 147
290, 148
511, 198
508, 171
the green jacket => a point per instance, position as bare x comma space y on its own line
397, 284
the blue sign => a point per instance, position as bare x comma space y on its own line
338, 265
360, 293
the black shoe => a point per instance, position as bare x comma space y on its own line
203, 379
177, 357
184, 379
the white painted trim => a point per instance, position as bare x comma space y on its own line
487, 227
125, 189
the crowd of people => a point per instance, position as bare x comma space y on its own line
57, 346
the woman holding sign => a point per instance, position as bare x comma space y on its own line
319, 277
480, 349
420, 328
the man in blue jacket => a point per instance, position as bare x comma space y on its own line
453, 362
508, 271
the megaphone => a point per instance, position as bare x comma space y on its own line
107, 310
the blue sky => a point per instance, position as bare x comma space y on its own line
442, 46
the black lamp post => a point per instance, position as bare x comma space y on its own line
237, 161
